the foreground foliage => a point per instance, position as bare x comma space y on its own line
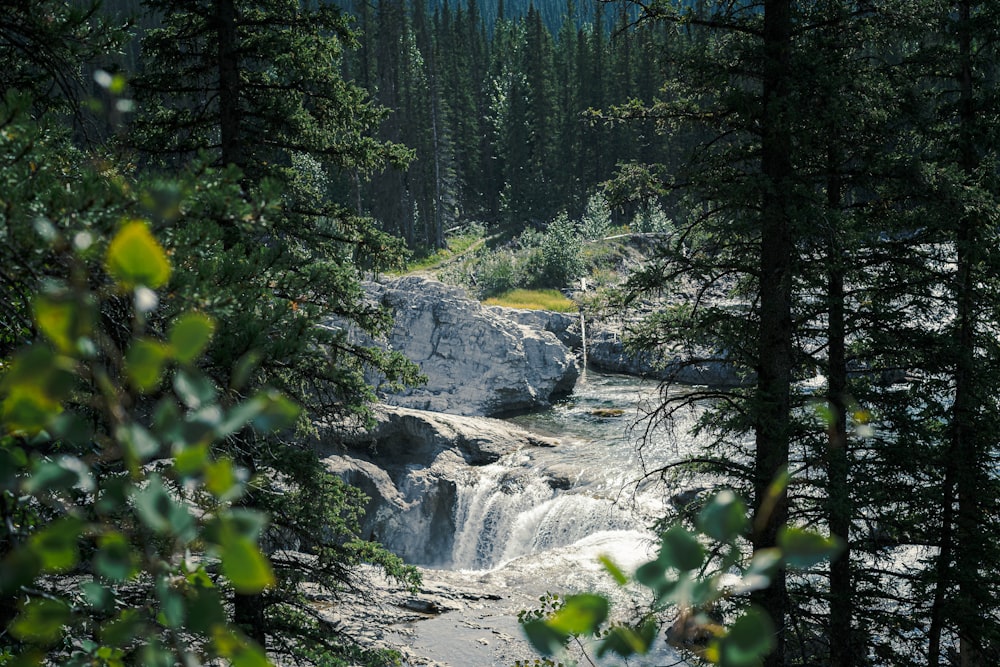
199, 287
122, 534
697, 579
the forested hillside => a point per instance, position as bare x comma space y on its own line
495, 111
192, 192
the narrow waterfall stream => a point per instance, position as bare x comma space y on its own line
537, 520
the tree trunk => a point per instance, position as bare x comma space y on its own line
229, 83
772, 415
839, 493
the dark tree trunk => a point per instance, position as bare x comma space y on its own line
229, 83
775, 337
842, 650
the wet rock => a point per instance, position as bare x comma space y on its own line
606, 352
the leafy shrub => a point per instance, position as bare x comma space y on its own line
596, 221
561, 260
111, 504
497, 273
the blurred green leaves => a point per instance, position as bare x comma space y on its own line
122, 497
135, 258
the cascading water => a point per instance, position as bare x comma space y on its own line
504, 512
534, 501
538, 519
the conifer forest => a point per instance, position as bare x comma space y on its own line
195, 194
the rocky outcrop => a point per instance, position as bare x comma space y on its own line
606, 352
477, 362
564, 326
412, 487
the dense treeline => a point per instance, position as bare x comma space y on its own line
495, 111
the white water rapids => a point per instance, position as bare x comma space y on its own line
537, 521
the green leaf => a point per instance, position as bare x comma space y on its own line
680, 549
40, 621
190, 460
240, 651
762, 567
123, 630
189, 335
204, 609
136, 258
114, 559
581, 614
114, 496
250, 656
161, 513
172, 608
609, 565
625, 641
72, 428
244, 369
144, 363
56, 546
278, 413
750, 638
18, 569
653, 575
545, 639
97, 596
39, 366
29, 409
194, 390
61, 319
805, 548
724, 518
221, 479
12, 463
52, 476
138, 442
244, 565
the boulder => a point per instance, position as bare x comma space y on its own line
477, 361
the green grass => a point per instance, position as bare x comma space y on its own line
456, 246
528, 299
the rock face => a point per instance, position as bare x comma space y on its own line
412, 487
477, 361
564, 326
606, 352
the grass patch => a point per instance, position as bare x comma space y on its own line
529, 299
457, 245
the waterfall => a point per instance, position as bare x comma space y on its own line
504, 512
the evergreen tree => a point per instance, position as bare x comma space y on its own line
257, 86
50, 47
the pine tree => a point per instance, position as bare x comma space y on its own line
49, 48
256, 86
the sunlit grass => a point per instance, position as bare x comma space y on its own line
456, 245
527, 299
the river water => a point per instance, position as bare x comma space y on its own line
537, 521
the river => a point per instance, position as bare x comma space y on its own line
537, 520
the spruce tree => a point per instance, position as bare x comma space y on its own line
256, 86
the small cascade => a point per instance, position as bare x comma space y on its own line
506, 512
